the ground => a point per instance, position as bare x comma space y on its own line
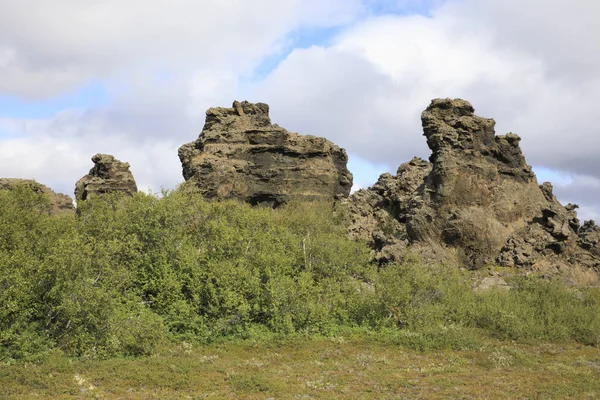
332, 368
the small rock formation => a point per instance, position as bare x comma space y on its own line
553, 240
476, 202
380, 213
107, 176
58, 202
240, 154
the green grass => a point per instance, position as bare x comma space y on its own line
334, 368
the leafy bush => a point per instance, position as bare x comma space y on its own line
127, 273
537, 309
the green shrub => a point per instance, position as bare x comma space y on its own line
127, 273
536, 309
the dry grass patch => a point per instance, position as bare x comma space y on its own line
317, 369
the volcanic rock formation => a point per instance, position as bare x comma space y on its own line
58, 202
107, 176
476, 201
380, 213
241, 154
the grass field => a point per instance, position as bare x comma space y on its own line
335, 368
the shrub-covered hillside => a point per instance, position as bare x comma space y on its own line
128, 273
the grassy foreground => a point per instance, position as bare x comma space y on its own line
334, 368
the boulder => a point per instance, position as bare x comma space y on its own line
476, 202
58, 202
241, 155
108, 175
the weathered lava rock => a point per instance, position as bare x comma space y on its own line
477, 202
379, 213
58, 202
107, 176
480, 189
241, 154
553, 240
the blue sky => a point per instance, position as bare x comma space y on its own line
83, 79
92, 94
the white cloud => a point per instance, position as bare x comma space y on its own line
532, 65
57, 152
52, 46
367, 91
163, 63
341, 96
583, 190
565, 34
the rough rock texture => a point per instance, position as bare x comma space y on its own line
241, 154
553, 240
107, 176
379, 214
477, 202
480, 189
58, 202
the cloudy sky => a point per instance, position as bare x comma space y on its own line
133, 78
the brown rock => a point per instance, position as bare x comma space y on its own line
589, 238
107, 176
553, 238
240, 154
480, 189
379, 214
58, 202
476, 203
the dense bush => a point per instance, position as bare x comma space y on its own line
128, 273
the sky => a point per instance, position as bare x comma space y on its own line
134, 78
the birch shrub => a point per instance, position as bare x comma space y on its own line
126, 274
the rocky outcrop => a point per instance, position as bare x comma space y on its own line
379, 214
553, 240
58, 202
108, 175
480, 189
476, 202
240, 154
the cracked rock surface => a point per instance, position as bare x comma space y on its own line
108, 175
475, 203
240, 154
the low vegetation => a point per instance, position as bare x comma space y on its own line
130, 275
338, 367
